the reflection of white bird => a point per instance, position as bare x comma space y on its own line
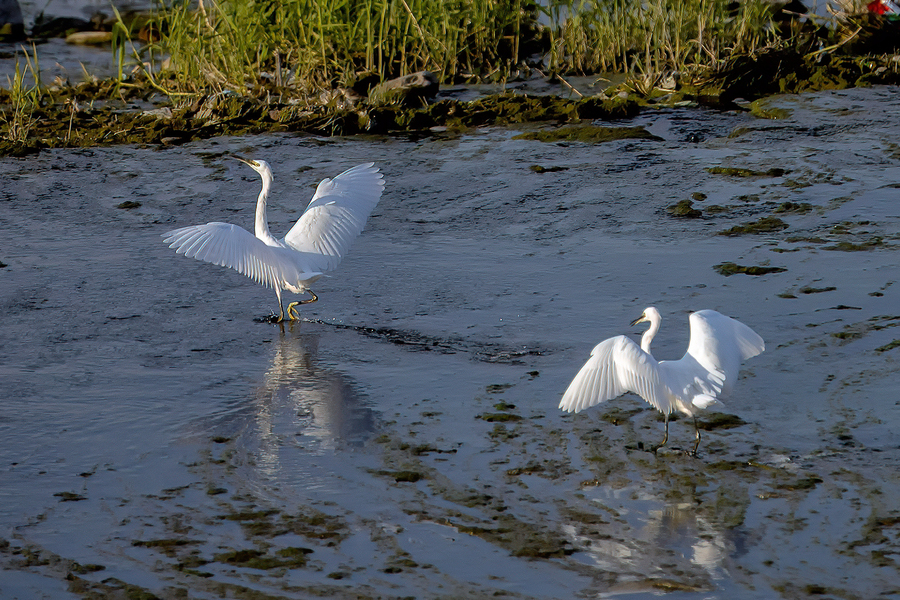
703, 375
315, 244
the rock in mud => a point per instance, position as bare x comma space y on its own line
410, 90
89, 38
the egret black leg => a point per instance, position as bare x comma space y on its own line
697, 431
280, 305
665, 437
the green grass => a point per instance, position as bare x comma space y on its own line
304, 46
314, 44
21, 99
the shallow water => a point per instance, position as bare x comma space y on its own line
153, 427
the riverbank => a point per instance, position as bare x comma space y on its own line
165, 105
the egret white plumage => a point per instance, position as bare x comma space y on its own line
704, 375
315, 244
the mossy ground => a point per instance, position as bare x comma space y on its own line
101, 113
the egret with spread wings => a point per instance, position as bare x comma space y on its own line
704, 375
335, 216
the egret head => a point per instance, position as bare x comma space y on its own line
260, 166
650, 315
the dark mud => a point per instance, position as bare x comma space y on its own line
403, 440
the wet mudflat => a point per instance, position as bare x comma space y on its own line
404, 441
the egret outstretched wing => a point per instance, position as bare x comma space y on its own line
616, 366
697, 380
720, 344
336, 215
231, 246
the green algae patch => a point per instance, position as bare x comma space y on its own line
289, 558
889, 346
550, 469
404, 476
669, 585
540, 169
792, 69
307, 522
800, 208
588, 134
87, 568
531, 468
759, 109
872, 244
617, 416
128, 204
110, 121
521, 539
808, 289
684, 209
499, 417
741, 172
69, 497
714, 421
255, 522
169, 547
108, 588
802, 484
729, 268
500, 109
249, 515
763, 225
849, 335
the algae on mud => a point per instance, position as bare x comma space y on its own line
684, 209
729, 268
55, 126
760, 226
589, 134
257, 95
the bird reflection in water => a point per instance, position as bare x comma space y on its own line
302, 403
674, 533
678, 527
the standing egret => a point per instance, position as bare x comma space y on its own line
700, 378
315, 244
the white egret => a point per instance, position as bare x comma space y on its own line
315, 244
705, 373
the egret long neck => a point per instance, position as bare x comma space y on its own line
262, 223
649, 335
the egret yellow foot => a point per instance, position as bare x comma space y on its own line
292, 307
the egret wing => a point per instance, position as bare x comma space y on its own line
616, 366
336, 215
720, 344
232, 246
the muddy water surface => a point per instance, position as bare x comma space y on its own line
403, 440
